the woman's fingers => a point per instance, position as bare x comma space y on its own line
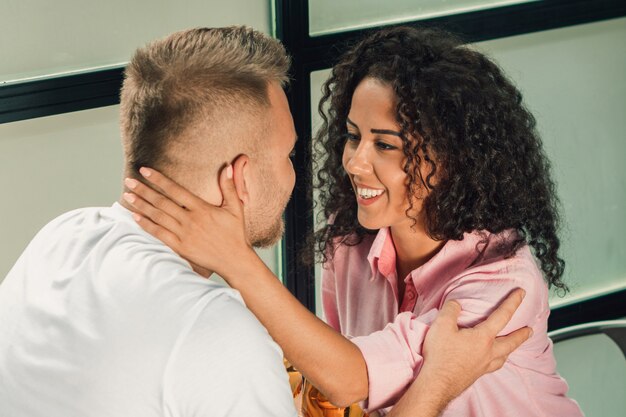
161, 233
229, 191
156, 199
503, 314
153, 213
179, 194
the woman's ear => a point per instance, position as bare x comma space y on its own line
241, 175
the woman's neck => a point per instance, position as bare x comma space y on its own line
414, 247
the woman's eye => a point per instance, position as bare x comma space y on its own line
292, 154
352, 137
385, 146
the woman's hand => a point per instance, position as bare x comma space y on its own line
209, 236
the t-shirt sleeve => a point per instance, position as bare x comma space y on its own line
394, 354
227, 365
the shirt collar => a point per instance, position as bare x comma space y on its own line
455, 257
452, 259
382, 255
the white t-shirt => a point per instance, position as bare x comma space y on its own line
98, 318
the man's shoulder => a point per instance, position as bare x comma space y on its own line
84, 226
104, 245
226, 315
228, 352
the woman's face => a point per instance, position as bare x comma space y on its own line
374, 159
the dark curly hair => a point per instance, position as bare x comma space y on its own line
456, 104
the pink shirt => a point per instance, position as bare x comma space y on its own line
359, 294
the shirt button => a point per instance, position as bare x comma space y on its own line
411, 295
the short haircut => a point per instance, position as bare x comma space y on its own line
202, 76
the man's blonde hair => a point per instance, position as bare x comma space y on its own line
198, 77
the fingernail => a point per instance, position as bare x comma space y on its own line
145, 172
523, 292
137, 217
129, 197
130, 183
229, 172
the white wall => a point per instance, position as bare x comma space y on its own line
595, 371
330, 16
574, 81
53, 164
45, 37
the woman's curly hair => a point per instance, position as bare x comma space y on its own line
462, 117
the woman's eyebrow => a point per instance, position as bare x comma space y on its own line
386, 132
379, 131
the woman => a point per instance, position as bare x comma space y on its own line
436, 187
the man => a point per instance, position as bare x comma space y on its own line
98, 318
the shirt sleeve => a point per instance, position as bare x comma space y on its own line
393, 357
227, 365
394, 354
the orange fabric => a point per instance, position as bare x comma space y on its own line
312, 403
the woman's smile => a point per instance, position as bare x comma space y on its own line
373, 157
366, 195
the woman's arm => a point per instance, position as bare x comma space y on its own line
327, 359
214, 238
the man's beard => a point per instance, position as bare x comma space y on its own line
264, 223
267, 237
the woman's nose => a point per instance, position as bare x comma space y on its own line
359, 162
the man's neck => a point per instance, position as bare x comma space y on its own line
203, 272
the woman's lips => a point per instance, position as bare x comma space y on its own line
367, 201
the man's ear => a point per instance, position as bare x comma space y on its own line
241, 174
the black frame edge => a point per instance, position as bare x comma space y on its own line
481, 25
61, 94
610, 306
292, 23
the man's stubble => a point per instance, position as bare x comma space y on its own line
264, 221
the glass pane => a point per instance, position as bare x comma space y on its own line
52, 165
574, 81
330, 16
55, 164
595, 371
44, 38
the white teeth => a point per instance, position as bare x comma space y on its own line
368, 192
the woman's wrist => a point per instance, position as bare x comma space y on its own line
245, 265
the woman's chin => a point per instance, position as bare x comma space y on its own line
369, 223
